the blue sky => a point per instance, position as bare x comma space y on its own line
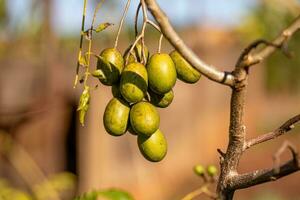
67, 13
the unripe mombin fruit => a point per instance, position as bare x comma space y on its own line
111, 64
161, 73
153, 148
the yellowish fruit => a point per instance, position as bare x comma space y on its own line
134, 82
185, 71
161, 73
144, 118
111, 64
153, 148
115, 118
161, 100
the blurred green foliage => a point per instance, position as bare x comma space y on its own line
266, 21
60, 183
110, 194
3, 13
9, 193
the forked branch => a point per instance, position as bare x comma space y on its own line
284, 37
284, 128
267, 175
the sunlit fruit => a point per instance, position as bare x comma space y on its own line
185, 71
144, 118
153, 148
134, 82
161, 100
116, 115
161, 73
212, 170
199, 170
137, 53
111, 64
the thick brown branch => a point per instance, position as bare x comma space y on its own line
286, 127
259, 56
263, 176
169, 32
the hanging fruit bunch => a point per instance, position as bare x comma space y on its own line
140, 83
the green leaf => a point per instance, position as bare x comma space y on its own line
110, 194
83, 106
103, 26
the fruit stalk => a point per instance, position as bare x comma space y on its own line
81, 42
121, 23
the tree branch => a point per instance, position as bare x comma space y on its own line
259, 56
267, 175
263, 176
169, 32
284, 128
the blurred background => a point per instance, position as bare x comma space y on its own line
45, 154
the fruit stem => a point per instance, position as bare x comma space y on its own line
137, 19
90, 38
121, 23
160, 42
81, 42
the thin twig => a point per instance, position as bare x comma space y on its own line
259, 56
202, 190
286, 145
121, 23
136, 19
267, 175
251, 47
160, 42
81, 42
161, 34
140, 37
284, 128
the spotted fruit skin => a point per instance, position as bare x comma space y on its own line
134, 82
161, 73
153, 148
185, 71
111, 63
144, 118
115, 118
161, 100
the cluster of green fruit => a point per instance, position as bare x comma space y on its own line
201, 171
138, 87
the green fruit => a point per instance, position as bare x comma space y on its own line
111, 64
116, 116
199, 170
185, 71
161, 73
137, 51
130, 129
212, 170
153, 148
144, 118
134, 82
161, 100
116, 91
